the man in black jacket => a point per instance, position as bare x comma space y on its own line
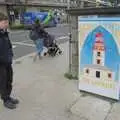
6, 72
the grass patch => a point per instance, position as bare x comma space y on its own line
70, 76
17, 27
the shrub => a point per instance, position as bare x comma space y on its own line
17, 27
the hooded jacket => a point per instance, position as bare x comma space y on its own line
6, 52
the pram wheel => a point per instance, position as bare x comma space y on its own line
45, 54
60, 52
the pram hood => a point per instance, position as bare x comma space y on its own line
49, 40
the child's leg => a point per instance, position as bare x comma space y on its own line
39, 46
35, 57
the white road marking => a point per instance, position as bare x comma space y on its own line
62, 37
14, 46
32, 45
26, 41
25, 44
58, 38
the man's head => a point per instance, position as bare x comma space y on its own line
3, 21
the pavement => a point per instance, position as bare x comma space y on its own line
45, 94
42, 95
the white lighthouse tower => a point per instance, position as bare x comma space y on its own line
99, 50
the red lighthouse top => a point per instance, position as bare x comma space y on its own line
99, 35
99, 43
99, 38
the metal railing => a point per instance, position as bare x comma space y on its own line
88, 3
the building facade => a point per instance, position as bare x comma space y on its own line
6, 5
3, 7
13, 8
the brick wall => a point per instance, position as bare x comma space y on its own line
3, 9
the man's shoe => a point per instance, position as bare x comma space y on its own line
9, 104
14, 101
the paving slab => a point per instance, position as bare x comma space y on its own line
114, 114
91, 108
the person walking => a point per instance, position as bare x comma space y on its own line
37, 35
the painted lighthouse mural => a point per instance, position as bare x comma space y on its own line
98, 69
99, 50
100, 63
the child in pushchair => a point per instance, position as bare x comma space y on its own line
51, 45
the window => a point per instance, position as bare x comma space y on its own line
98, 74
98, 54
98, 62
87, 71
109, 75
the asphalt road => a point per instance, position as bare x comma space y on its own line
22, 45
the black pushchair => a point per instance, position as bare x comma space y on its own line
51, 45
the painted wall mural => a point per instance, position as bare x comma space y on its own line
99, 71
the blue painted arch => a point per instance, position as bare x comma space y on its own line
112, 56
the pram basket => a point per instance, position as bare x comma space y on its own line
50, 43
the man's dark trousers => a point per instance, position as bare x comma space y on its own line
6, 78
